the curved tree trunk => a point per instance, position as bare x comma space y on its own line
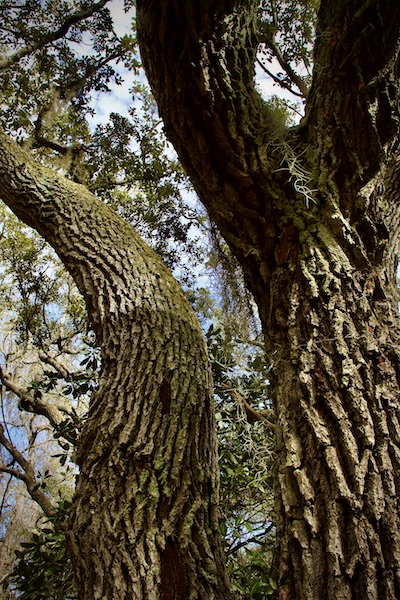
312, 214
145, 514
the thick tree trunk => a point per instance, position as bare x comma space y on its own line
320, 255
336, 371
145, 516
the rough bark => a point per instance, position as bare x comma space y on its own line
145, 516
312, 214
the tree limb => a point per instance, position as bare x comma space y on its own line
13, 472
195, 79
296, 79
255, 539
279, 81
251, 413
355, 57
27, 476
61, 96
31, 404
61, 369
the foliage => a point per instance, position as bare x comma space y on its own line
46, 101
33, 283
44, 569
57, 70
245, 436
43, 322
251, 573
287, 32
235, 307
293, 21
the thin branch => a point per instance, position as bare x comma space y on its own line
3, 500
53, 36
249, 342
13, 472
73, 87
35, 405
2, 410
61, 96
27, 476
61, 370
251, 413
274, 13
297, 80
255, 539
40, 140
281, 82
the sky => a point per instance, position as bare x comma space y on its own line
120, 98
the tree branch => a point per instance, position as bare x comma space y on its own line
53, 36
27, 476
296, 79
274, 13
251, 413
61, 96
355, 56
13, 472
60, 368
31, 404
195, 80
279, 81
255, 539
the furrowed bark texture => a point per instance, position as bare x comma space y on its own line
312, 214
144, 521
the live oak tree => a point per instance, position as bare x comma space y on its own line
312, 215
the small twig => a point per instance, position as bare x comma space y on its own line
251, 413
255, 539
3, 500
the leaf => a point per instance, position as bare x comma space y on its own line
273, 584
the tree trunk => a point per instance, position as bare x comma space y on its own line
312, 215
145, 518
336, 370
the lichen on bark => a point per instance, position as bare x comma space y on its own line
144, 520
